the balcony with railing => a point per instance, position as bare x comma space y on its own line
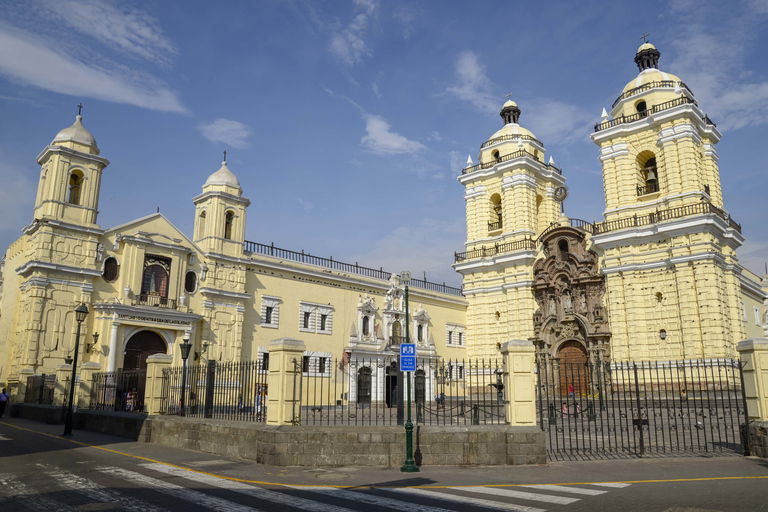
666, 84
650, 188
663, 216
525, 244
517, 154
493, 226
155, 301
682, 100
503, 138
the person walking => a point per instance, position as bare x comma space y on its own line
4, 397
570, 390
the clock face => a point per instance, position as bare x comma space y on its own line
560, 194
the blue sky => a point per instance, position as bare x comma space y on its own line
348, 121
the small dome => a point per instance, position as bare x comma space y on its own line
648, 76
76, 133
223, 177
512, 129
645, 46
509, 103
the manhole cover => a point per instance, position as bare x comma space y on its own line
100, 506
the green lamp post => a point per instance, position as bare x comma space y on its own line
410, 465
81, 313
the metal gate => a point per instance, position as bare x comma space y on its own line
610, 410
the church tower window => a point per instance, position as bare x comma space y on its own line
228, 221
155, 278
366, 326
75, 185
641, 108
649, 176
201, 228
496, 217
562, 247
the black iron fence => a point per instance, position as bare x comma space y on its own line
371, 391
642, 409
40, 389
122, 390
231, 391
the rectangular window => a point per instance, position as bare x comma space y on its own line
305, 323
323, 320
450, 337
454, 335
460, 372
270, 311
265, 362
268, 315
461, 339
321, 365
305, 364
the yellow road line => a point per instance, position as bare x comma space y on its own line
224, 477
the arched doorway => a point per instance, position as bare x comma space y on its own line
131, 378
573, 368
142, 345
364, 385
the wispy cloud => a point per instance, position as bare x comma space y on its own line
226, 131
121, 27
307, 205
348, 43
472, 84
457, 162
555, 122
29, 60
381, 140
721, 79
434, 136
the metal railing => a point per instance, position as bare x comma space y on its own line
485, 252
231, 391
517, 154
302, 257
40, 389
663, 215
650, 188
371, 391
492, 226
122, 390
574, 223
491, 142
682, 100
155, 301
667, 84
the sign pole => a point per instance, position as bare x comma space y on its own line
409, 466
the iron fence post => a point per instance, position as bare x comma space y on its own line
210, 381
745, 442
639, 413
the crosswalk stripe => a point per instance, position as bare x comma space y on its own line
509, 493
380, 501
566, 488
73, 482
495, 505
616, 485
255, 492
17, 492
177, 491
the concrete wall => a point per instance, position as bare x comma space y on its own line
758, 438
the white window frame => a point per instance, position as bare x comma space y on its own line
274, 303
314, 364
316, 311
455, 335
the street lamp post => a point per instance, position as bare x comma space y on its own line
185, 347
81, 313
410, 465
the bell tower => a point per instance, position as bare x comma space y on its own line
220, 214
668, 244
70, 177
510, 200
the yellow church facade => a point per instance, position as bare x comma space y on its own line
658, 279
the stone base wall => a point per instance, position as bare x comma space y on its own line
758, 438
317, 446
51, 414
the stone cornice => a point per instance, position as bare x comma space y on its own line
47, 266
125, 313
215, 292
225, 195
38, 223
49, 150
497, 262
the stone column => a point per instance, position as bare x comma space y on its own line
153, 392
61, 391
283, 381
112, 361
754, 352
520, 382
87, 371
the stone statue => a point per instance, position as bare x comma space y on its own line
583, 303
567, 304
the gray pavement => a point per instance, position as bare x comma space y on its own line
39, 470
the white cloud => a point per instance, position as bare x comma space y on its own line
121, 27
382, 141
348, 44
555, 122
307, 205
28, 60
434, 136
473, 85
226, 131
457, 162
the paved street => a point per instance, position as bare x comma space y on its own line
40, 471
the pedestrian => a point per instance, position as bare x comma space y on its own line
564, 409
4, 397
683, 395
570, 390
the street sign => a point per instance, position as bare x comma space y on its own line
407, 357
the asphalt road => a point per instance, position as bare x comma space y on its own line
41, 471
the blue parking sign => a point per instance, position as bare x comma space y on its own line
407, 357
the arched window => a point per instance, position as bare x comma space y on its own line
496, 217
642, 109
228, 225
420, 333
190, 282
75, 186
562, 250
155, 278
366, 326
649, 175
111, 269
496, 156
201, 225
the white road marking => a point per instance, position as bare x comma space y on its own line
495, 505
3, 438
96, 492
379, 501
177, 491
17, 492
508, 493
566, 488
250, 490
617, 486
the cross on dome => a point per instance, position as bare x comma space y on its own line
80, 108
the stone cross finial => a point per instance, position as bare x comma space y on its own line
509, 96
644, 37
225, 155
80, 108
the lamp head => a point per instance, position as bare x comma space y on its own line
81, 313
185, 348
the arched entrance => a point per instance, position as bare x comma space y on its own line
574, 370
131, 378
364, 385
142, 345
